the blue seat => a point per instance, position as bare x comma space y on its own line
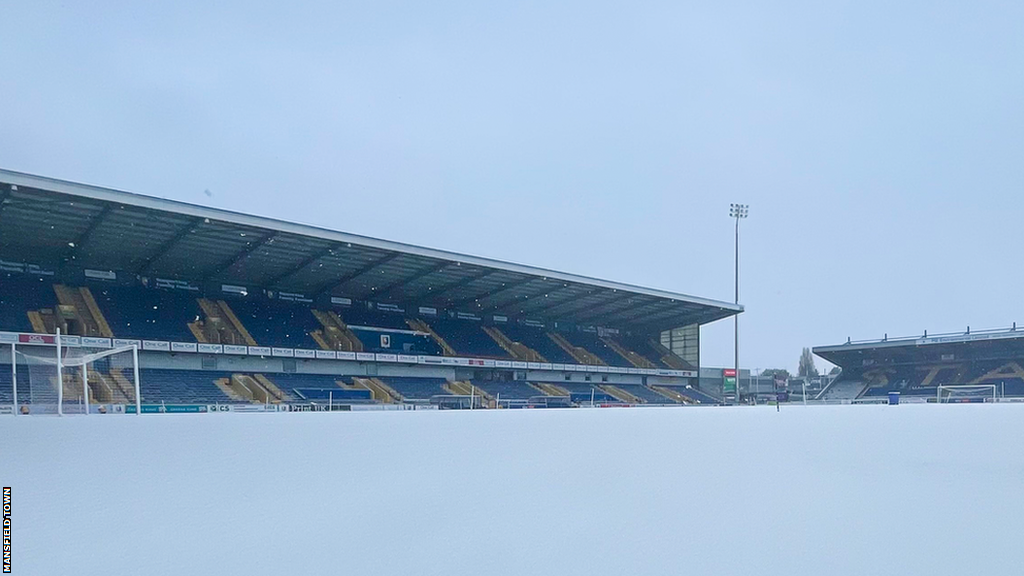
416, 388
181, 386
508, 390
593, 344
537, 339
582, 391
334, 394
147, 314
467, 337
646, 394
20, 293
7, 388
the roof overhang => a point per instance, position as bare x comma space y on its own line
909, 346
61, 222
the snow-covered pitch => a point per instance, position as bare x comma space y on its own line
837, 490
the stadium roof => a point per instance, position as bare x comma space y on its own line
910, 347
60, 221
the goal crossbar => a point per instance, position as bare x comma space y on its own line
72, 360
966, 390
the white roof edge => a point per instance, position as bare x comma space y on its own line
924, 341
143, 201
864, 346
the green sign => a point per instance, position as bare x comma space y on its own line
729, 385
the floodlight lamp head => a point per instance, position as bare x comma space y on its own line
739, 210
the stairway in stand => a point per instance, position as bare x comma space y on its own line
464, 388
620, 394
335, 334
77, 313
549, 389
274, 389
230, 391
580, 354
101, 390
221, 325
673, 395
122, 384
630, 356
255, 388
517, 350
381, 391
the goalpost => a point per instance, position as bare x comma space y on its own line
71, 380
966, 392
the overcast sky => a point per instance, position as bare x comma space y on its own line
880, 145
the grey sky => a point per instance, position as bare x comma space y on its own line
879, 144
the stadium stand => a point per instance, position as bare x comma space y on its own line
924, 380
181, 280
917, 366
155, 314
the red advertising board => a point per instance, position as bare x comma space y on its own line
36, 339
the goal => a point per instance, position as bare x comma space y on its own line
75, 380
967, 393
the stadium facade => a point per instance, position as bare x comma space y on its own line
233, 308
977, 365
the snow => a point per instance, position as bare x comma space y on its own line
918, 489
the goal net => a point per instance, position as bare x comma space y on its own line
80, 381
967, 393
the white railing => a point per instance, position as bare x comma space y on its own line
968, 336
